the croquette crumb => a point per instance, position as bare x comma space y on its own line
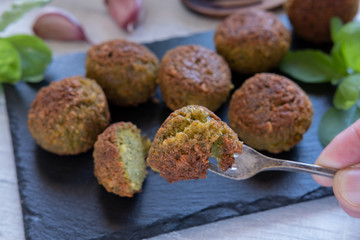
185, 141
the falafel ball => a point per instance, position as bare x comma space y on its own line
66, 116
126, 71
119, 159
270, 112
311, 19
193, 74
252, 41
185, 141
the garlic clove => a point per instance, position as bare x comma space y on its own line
60, 25
126, 13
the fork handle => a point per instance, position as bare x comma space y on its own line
287, 165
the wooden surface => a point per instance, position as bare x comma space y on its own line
319, 219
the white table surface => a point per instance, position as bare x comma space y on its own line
317, 219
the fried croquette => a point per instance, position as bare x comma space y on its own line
119, 159
270, 112
252, 41
126, 71
311, 19
193, 74
66, 116
185, 141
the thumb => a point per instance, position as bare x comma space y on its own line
343, 151
346, 187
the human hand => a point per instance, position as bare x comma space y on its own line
343, 153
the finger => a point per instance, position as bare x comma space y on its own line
347, 189
350, 211
342, 151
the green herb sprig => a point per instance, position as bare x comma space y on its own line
22, 57
341, 67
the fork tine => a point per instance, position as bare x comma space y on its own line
228, 174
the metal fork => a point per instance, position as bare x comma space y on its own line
251, 162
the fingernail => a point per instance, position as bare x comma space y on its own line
350, 185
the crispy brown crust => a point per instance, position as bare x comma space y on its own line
182, 145
66, 116
193, 74
311, 19
270, 112
125, 70
108, 168
252, 40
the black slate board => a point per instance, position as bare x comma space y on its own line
62, 200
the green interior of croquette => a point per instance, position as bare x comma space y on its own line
132, 154
217, 149
200, 126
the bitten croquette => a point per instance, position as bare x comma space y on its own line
119, 159
270, 112
126, 71
185, 141
66, 116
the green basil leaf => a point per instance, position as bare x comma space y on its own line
17, 9
348, 38
311, 66
347, 93
335, 26
10, 65
351, 51
35, 56
348, 31
338, 59
334, 121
